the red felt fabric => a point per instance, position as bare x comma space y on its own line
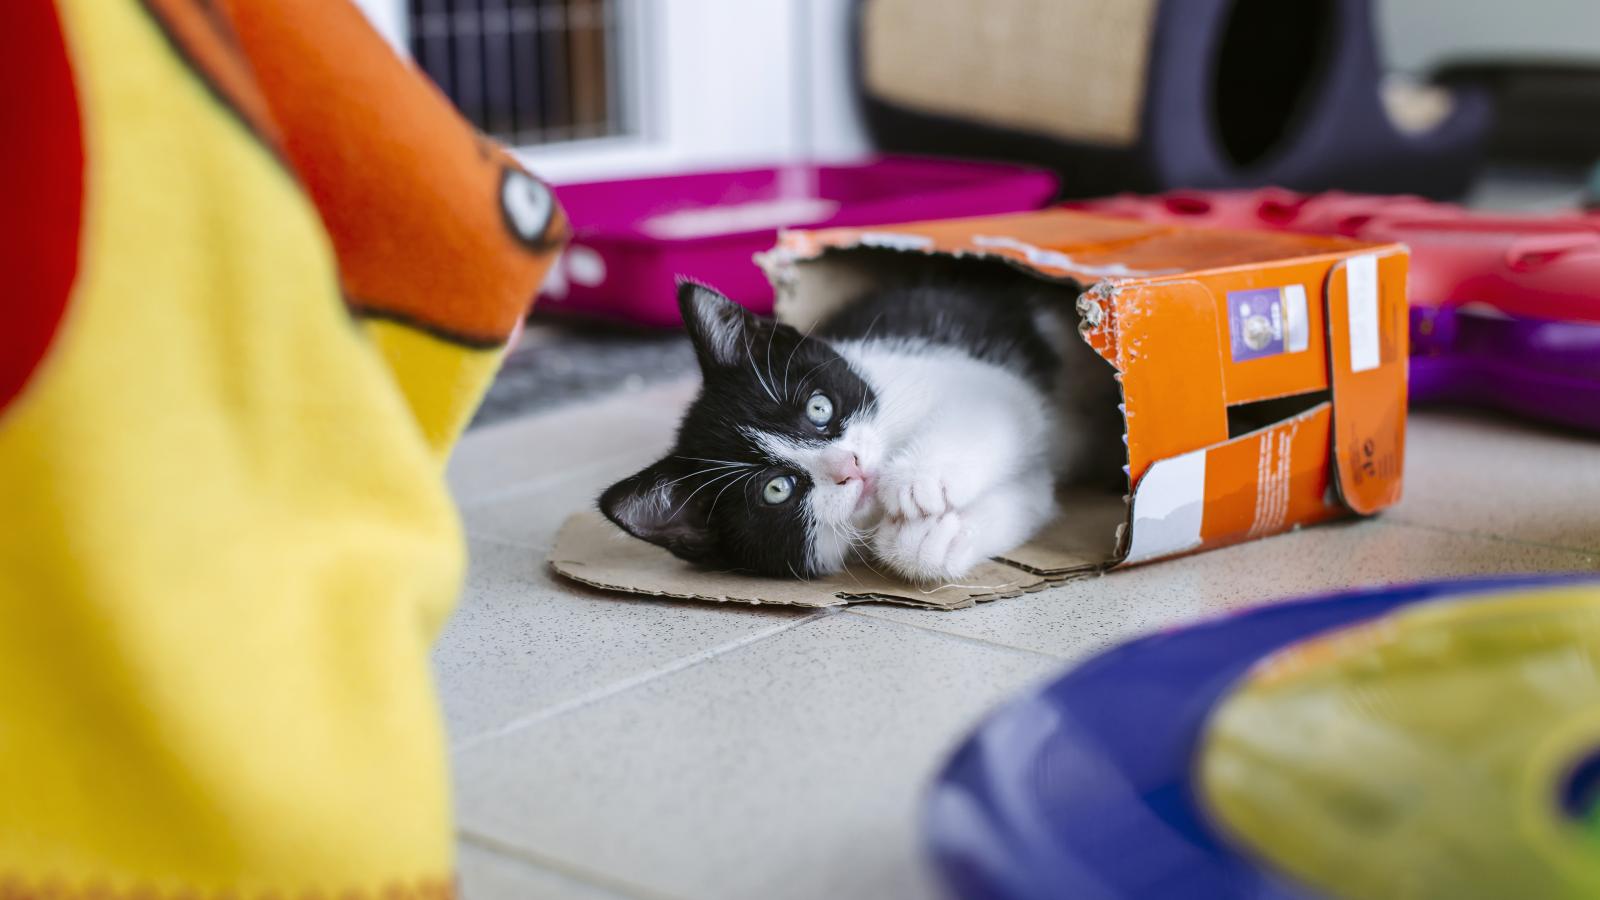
41, 179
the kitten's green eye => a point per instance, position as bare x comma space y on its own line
819, 409
778, 490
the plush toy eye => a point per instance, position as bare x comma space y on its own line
819, 409
778, 490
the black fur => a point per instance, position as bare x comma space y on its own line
992, 319
715, 516
989, 329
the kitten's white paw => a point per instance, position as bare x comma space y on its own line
908, 493
928, 549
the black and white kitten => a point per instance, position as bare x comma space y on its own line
923, 425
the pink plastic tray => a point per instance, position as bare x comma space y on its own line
633, 238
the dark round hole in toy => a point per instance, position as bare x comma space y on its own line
1580, 792
1279, 212
1187, 205
1350, 226
1267, 66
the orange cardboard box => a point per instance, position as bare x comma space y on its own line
1263, 380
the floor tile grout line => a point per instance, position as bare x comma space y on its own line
618, 687
1400, 520
964, 638
560, 866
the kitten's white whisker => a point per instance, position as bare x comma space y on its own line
723, 461
790, 361
844, 527
852, 575
695, 473
770, 335
747, 477
697, 490
757, 373
868, 564
814, 370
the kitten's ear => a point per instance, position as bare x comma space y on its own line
719, 328
660, 505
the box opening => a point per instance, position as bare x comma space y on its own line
1093, 495
1245, 418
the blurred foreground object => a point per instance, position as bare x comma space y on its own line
1121, 95
260, 276
1435, 740
1505, 309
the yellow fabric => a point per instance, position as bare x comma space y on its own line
225, 545
441, 382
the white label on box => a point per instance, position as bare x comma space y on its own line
1361, 280
1296, 326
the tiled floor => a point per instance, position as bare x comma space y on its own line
609, 747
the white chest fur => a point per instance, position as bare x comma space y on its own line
937, 395
967, 449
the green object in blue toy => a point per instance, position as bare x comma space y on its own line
1450, 749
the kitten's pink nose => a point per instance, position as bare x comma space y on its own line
843, 468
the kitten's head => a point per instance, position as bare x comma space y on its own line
774, 463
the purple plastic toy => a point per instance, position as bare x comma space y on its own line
1085, 787
1543, 369
632, 239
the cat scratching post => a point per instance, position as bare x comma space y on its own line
1142, 95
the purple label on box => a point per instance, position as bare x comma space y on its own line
1267, 322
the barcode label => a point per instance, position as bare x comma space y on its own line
1296, 324
1361, 279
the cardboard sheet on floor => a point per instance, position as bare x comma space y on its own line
592, 551
1262, 378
